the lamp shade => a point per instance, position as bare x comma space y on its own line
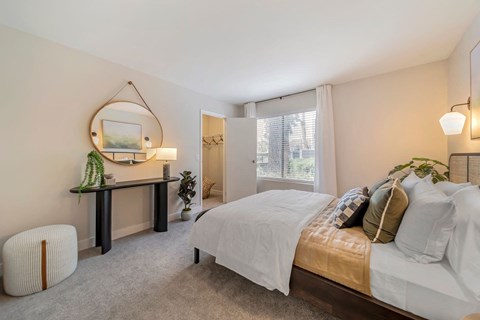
167, 154
452, 123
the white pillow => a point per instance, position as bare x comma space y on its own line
449, 188
411, 180
427, 224
463, 251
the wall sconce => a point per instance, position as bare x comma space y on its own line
452, 122
95, 138
148, 143
166, 154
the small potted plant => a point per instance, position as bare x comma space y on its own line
186, 193
94, 173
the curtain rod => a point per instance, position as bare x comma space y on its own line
287, 95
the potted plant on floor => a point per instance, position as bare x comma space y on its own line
94, 173
186, 193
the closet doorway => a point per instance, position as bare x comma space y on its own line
212, 159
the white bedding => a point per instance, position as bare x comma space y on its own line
269, 224
431, 291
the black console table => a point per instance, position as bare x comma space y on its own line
103, 223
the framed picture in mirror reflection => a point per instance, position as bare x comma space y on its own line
121, 135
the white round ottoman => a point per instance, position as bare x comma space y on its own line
37, 259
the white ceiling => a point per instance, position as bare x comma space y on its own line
249, 50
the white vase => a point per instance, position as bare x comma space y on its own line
186, 215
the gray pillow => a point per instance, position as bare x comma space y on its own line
463, 251
427, 224
411, 181
449, 188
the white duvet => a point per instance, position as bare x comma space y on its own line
257, 236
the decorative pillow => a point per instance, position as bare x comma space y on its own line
427, 224
449, 188
463, 250
207, 185
385, 211
377, 185
412, 179
351, 208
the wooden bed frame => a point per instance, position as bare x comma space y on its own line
347, 303
340, 301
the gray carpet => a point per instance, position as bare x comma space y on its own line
151, 275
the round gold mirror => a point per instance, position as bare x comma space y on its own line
126, 133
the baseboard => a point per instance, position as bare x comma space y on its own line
86, 243
174, 216
216, 192
120, 233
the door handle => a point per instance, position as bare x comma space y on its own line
253, 161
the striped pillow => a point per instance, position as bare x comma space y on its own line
385, 212
351, 208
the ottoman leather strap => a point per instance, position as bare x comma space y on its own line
44, 264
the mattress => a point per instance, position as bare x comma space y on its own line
431, 291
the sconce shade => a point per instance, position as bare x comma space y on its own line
166, 154
95, 138
148, 143
452, 123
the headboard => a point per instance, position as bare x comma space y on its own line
465, 167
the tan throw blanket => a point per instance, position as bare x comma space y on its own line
341, 255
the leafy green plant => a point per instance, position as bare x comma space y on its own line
187, 189
302, 168
94, 173
422, 168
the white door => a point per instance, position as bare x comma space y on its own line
240, 155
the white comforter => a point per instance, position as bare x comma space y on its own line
257, 236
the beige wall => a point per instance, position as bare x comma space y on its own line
213, 155
49, 94
385, 120
459, 87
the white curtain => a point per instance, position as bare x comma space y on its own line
250, 110
325, 166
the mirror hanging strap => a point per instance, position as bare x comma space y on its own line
136, 90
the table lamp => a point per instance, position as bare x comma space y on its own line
166, 154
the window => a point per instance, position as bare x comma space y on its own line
286, 146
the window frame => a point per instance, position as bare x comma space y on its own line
287, 180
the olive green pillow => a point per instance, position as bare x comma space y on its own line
385, 212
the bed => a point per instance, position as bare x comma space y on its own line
399, 289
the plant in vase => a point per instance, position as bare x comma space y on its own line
186, 193
94, 173
422, 168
